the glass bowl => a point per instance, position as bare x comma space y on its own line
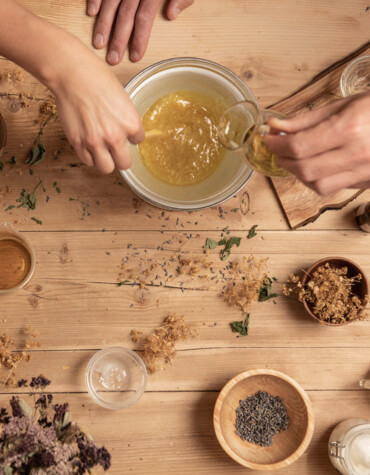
7, 232
356, 77
116, 377
199, 75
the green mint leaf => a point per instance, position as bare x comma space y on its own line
36, 220
252, 232
210, 244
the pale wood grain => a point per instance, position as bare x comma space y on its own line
173, 433
190, 370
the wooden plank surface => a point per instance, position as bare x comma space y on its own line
74, 301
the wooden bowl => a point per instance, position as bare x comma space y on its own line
288, 445
361, 289
2, 135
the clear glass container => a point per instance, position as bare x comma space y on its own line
356, 77
363, 217
116, 377
241, 129
201, 76
349, 447
8, 233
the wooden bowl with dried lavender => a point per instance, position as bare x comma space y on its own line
2, 135
263, 419
334, 291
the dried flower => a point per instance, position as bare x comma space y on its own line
329, 294
160, 345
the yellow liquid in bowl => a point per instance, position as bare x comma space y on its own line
188, 151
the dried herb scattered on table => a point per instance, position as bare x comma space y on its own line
38, 151
241, 327
28, 200
160, 345
252, 232
260, 417
329, 293
36, 220
264, 292
228, 243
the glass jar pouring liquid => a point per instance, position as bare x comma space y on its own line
349, 447
241, 129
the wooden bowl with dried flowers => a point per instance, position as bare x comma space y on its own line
263, 419
2, 135
334, 291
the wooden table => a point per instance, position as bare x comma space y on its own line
76, 305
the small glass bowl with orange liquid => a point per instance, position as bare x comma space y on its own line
17, 259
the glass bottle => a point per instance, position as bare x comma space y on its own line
241, 129
363, 217
349, 447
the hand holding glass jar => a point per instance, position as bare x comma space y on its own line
328, 149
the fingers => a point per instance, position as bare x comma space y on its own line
143, 26
93, 7
103, 159
308, 119
325, 136
121, 156
85, 156
334, 183
175, 7
320, 166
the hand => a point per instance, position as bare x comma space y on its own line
97, 114
133, 20
328, 149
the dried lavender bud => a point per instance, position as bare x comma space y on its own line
22, 383
40, 382
42, 402
260, 417
16, 410
4, 417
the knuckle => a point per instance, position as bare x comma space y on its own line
144, 14
91, 142
75, 140
126, 10
295, 147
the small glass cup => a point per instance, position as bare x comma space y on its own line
356, 77
241, 129
7, 232
116, 377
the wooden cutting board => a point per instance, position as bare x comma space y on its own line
302, 205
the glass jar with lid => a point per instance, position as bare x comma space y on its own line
349, 447
241, 129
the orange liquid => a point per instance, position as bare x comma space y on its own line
15, 263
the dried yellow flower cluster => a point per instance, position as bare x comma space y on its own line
246, 278
329, 294
160, 346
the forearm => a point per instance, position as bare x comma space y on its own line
37, 45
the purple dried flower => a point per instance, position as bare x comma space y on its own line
22, 383
16, 410
60, 410
4, 417
39, 382
50, 398
104, 458
42, 459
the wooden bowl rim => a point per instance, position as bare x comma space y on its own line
305, 279
309, 429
